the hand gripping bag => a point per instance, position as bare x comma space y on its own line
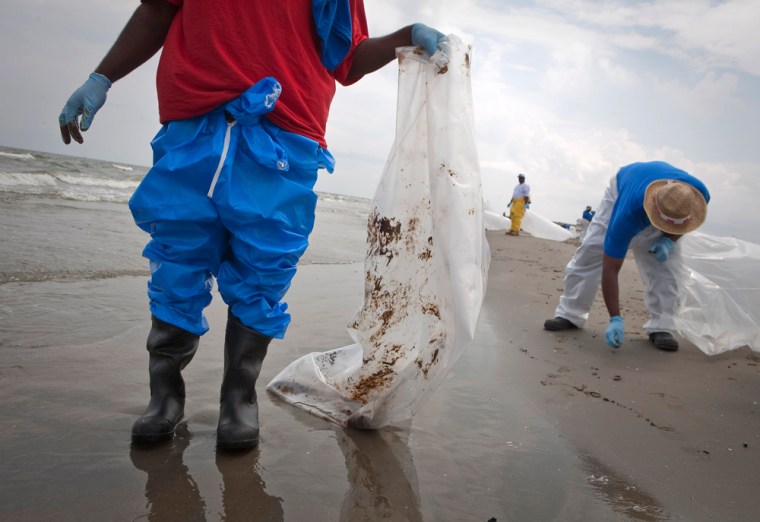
426, 261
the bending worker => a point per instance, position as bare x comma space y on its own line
647, 207
244, 91
520, 201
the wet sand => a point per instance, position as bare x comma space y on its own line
530, 425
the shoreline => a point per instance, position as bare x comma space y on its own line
529, 425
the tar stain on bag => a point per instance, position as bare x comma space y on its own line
426, 261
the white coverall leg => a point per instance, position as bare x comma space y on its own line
659, 279
583, 273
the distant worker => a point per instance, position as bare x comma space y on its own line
520, 202
586, 218
647, 207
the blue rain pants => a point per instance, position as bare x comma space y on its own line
230, 195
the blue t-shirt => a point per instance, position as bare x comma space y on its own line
628, 215
588, 215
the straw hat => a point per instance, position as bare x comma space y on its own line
674, 207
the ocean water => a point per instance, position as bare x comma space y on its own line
71, 265
26, 174
66, 217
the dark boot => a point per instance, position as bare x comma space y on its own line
664, 341
557, 324
171, 348
244, 352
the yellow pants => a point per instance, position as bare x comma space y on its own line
516, 213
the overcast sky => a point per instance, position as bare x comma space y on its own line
565, 91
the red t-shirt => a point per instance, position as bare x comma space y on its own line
216, 50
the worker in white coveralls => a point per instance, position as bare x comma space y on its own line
647, 207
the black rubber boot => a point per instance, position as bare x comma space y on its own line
244, 352
557, 324
664, 341
171, 348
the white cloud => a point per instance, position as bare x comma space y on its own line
714, 34
713, 95
566, 91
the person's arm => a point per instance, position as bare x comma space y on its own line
374, 53
611, 291
527, 194
610, 286
141, 38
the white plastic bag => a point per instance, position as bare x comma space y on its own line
426, 263
538, 226
534, 224
719, 293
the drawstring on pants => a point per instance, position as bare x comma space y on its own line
230, 123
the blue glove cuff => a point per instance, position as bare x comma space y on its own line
426, 37
616, 319
416, 28
99, 78
661, 248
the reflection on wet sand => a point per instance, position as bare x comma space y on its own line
243, 495
622, 496
170, 491
171, 494
380, 471
381, 476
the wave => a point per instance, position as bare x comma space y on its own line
98, 182
122, 167
64, 186
17, 155
25, 179
88, 197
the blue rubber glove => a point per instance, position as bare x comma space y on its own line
85, 102
661, 249
427, 38
614, 332
527, 206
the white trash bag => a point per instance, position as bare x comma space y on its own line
538, 226
719, 293
426, 262
534, 224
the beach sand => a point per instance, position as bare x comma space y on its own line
529, 425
